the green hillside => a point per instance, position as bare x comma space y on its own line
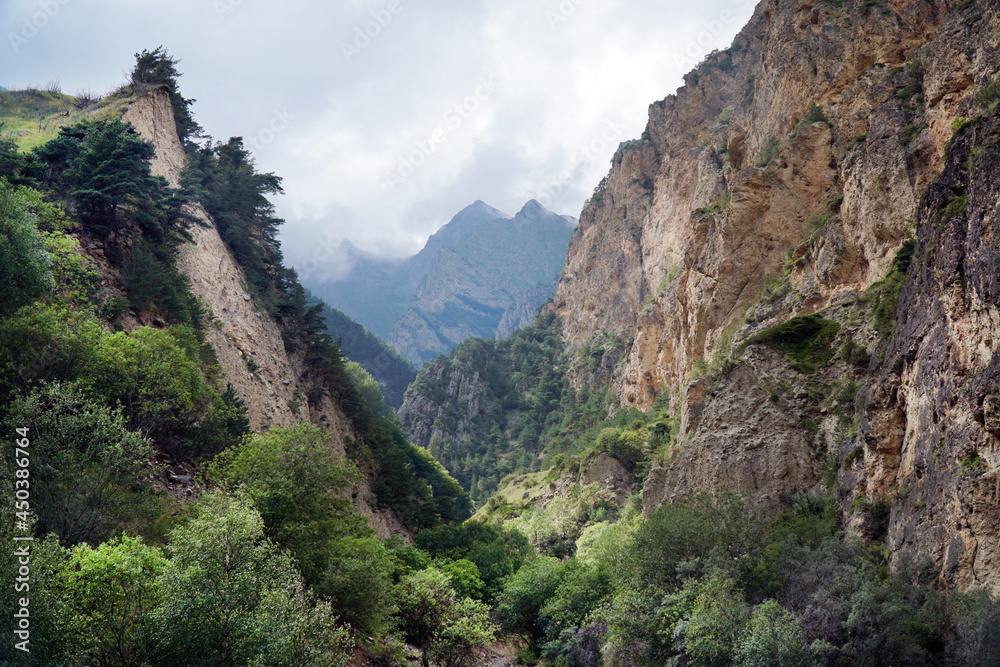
393, 373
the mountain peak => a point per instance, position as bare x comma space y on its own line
533, 208
481, 208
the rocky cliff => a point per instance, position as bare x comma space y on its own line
783, 179
275, 384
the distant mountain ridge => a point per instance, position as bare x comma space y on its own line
485, 273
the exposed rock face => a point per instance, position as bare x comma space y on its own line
744, 205
930, 434
241, 330
663, 212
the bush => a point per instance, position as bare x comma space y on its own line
298, 486
110, 591
237, 598
814, 114
768, 152
445, 627
158, 384
804, 340
772, 638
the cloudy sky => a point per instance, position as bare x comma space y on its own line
386, 117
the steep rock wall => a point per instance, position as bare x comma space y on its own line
741, 206
931, 429
693, 216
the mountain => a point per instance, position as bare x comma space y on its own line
483, 274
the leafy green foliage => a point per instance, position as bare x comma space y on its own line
110, 591
885, 293
444, 626
530, 413
724, 201
496, 552
223, 178
112, 171
153, 284
156, 381
103, 168
814, 114
87, 467
25, 264
392, 372
768, 151
298, 486
367, 387
237, 598
989, 95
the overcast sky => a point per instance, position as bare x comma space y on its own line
386, 117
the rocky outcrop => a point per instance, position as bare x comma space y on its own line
247, 341
782, 179
930, 430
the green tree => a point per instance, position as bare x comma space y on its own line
25, 264
712, 632
445, 627
159, 68
368, 388
497, 552
235, 599
525, 594
772, 638
85, 465
297, 486
110, 592
112, 172
45, 343
148, 372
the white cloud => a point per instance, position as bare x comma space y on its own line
575, 78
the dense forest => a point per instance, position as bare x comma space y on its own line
269, 562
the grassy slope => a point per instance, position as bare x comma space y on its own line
33, 117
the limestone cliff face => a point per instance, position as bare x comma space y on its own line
241, 331
932, 412
782, 179
695, 215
